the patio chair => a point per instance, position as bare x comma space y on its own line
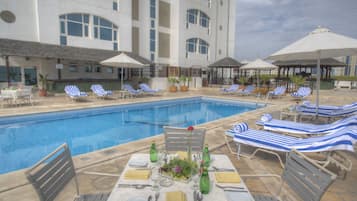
51, 174
301, 93
178, 139
230, 90
147, 90
305, 128
131, 90
278, 92
247, 91
304, 176
74, 93
100, 92
270, 142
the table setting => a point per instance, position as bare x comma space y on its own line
185, 179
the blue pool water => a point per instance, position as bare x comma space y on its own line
26, 139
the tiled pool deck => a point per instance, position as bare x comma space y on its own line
14, 186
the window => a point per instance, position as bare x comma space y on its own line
89, 69
191, 45
98, 69
75, 24
152, 56
110, 69
15, 74
152, 40
153, 9
204, 20
209, 3
63, 40
115, 5
152, 23
73, 68
203, 48
192, 18
104, 29
115, 46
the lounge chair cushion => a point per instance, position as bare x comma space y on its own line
241, 127
266, 117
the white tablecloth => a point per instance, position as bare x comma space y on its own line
216, 194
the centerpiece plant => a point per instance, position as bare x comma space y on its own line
180, 169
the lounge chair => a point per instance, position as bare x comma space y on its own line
147, 90
230, 90
342, 112
308, 179
308, 105
247, 91
301, 93
74, 93
99, 91
278, 92
131, 90
177, 139
270, 142
51, 175
306, 128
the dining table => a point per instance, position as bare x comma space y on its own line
141, 189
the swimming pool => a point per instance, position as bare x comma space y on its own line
26, 139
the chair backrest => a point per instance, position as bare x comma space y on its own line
304, 91
234, 87
128, 87
144, 86
178, 139
72, 90
249, 88
51, 174
307, 178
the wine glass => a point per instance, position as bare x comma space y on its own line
155, 178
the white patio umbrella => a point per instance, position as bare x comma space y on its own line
258, 65
124, 61
320, 43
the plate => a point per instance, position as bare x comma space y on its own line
137, 198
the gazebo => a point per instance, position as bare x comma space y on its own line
303, 65
220, 65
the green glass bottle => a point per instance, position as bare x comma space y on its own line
206, 156
205, 182
153, 153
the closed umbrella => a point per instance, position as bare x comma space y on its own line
124, 61
258, 65
320, 43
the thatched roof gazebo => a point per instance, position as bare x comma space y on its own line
326, 64
225, 63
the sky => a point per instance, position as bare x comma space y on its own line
266, 26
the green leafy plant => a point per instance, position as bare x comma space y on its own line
180, 169
172, 80
345, 78
43, 81
298, 80
243, 80
183, 80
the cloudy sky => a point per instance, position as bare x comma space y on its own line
265, 26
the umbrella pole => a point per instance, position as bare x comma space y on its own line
122, 78
318, 82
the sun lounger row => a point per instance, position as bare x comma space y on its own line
74, 92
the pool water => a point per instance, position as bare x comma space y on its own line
26, 139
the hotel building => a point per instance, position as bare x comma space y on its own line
67, 39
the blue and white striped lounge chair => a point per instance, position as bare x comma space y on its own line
131, 90
271, 142
247, 91
99, 91
308, 105
148, 90
306, 128
74, 93
277, 92
232, 89
301, 93
342, 112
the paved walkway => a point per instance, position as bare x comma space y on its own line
14, 186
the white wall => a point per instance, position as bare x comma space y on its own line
24, 28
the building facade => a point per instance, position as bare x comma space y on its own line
350, 69
179, 37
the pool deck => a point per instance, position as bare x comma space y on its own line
14, 186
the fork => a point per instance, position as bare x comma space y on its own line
157, 195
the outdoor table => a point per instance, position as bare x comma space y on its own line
220, 161
124, 94
288, 113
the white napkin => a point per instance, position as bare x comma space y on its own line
138, 163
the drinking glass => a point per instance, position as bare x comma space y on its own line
155, 178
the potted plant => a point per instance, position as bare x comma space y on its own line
172, 81
43, 82
298, 80
183, 79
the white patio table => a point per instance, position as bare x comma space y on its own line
127, 193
